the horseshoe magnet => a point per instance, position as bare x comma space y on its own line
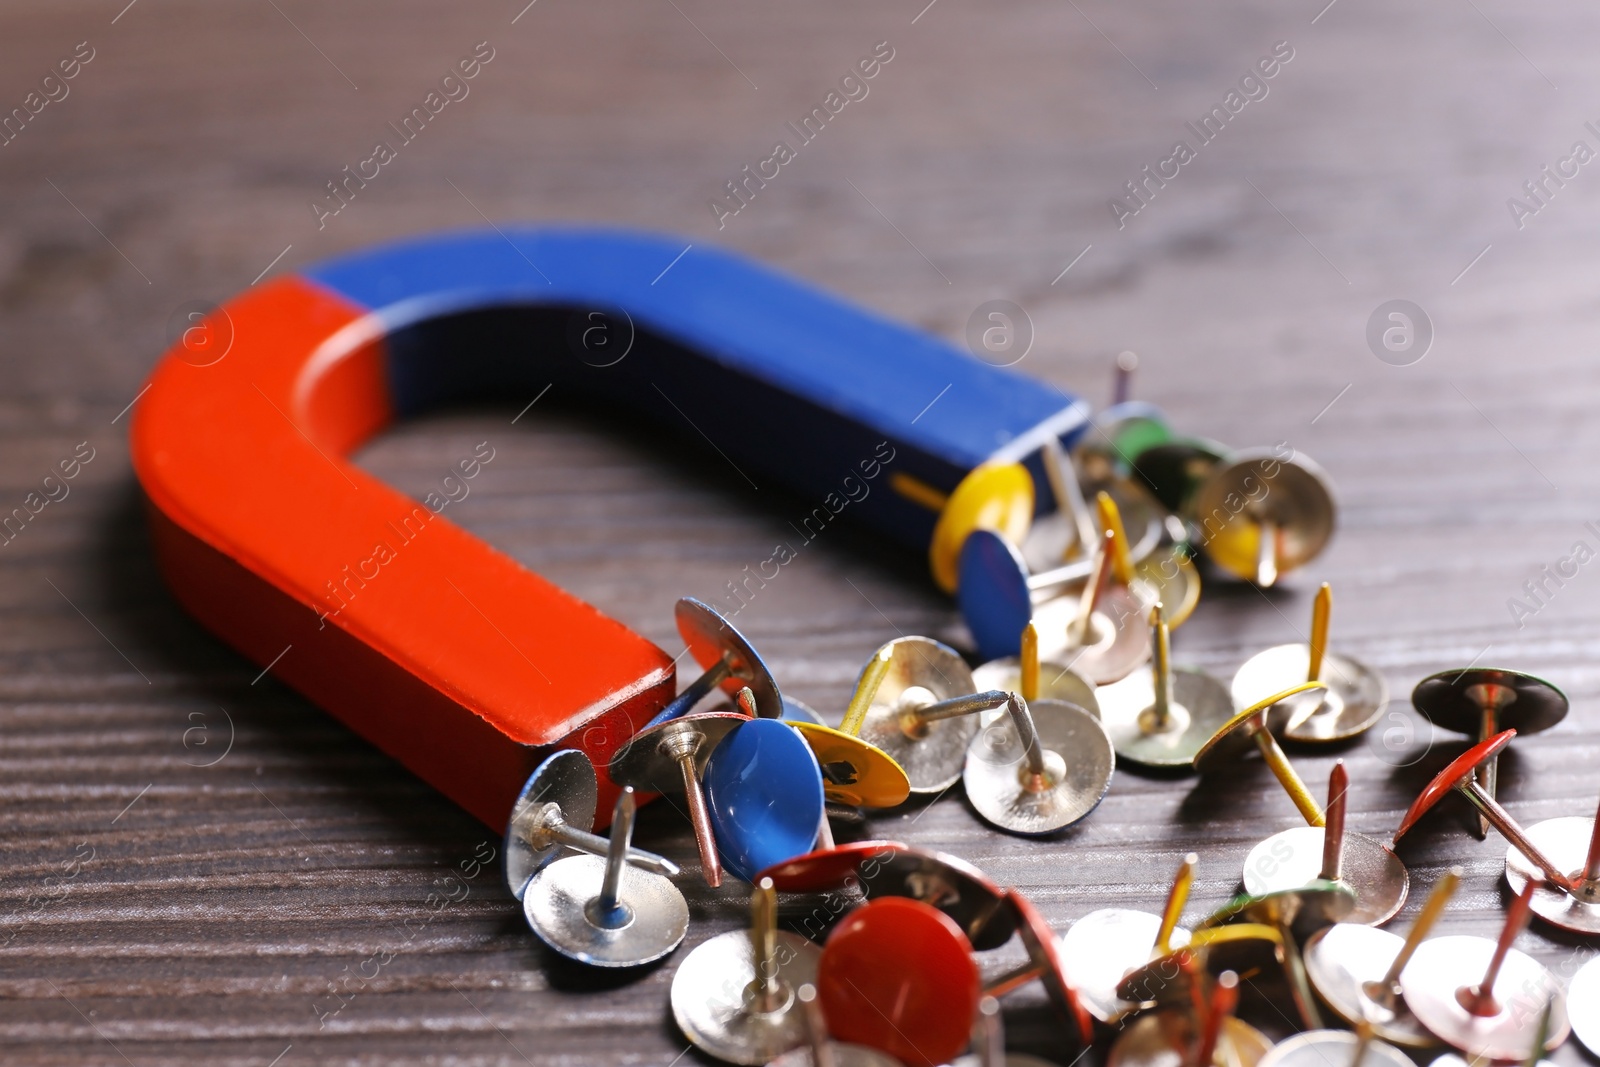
448, 654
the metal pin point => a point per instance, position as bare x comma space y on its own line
1354, 699
1572, 844
1104, 946
670, 758
1483, 701
1356, 970
989, 1042
1161, 716
1122, 381
1018, 773
1267, 554
822, 1051
825, 841
725, 654
816, 1028
1064, 486
924, 712
1035, 678
1307, 854
602, 911
734, 996
854, 771
1495, 1016
1458, 776
1158, 577
555, 810
1250, 725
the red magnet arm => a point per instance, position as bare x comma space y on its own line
447, 654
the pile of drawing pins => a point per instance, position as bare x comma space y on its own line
1070, 614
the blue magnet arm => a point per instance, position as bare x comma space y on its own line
786, 381
764, 794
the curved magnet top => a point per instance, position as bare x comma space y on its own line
448, 654
747, 317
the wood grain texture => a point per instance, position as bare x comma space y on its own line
156, 910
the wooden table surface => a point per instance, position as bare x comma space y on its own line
193, 855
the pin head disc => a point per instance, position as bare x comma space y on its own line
1173, 470
1293, 858
921, 672
1200, 707
952, 885
854, 772
1120, 432
566, 780
992, 591
764, 796
1566, 842
1347, 964
898, 975
829, 869
1168, 577
1454, 700
1441, 966
1583, 993
1355, 697
715, 1003
1293, 496
1459, 770
1167, 1039
1102, 948
646, 760
1119, 639
1079, 764
1044, 950
653, 916
712, 638
995, 496
1057, 681
1332, 1048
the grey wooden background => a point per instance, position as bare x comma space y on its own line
155, 909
